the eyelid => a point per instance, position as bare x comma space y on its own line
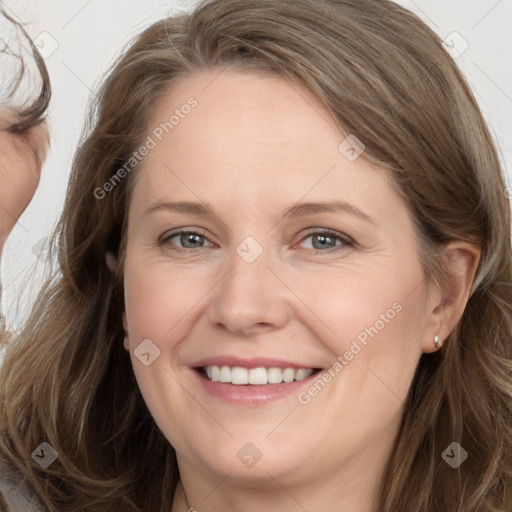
185, 230
329, 231
345, 239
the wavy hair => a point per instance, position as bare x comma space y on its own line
386, 78
24, 82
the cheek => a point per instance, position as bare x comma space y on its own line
159, 303
162, 305
19, 173
159, 297
372, 323
363, 304
372, 326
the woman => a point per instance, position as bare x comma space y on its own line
24, 97
285, 278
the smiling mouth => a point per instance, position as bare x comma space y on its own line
239, 376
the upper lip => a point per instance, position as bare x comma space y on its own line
256, 362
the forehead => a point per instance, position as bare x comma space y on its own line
266, 112
250, 135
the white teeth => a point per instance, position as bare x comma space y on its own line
225, 374
274, 376
239, 376
288, 374
256, 376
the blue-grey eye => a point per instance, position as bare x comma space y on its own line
323, 241
189, 240
320, 241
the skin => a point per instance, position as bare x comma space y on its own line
254, 146
21, 158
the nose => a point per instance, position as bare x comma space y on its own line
250, 298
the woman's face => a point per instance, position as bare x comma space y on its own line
21, 158
298, 255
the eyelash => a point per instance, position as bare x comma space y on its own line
346, 241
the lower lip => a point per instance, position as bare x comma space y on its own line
250, 395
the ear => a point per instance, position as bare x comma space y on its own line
110, 261
448, 299
126, 337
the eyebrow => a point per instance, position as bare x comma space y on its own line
294, 211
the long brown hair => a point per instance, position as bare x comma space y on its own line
386, 78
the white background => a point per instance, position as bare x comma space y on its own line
83, 37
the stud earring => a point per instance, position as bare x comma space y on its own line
437, 343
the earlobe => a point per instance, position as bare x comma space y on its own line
460, 263
126, 341
110, 261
